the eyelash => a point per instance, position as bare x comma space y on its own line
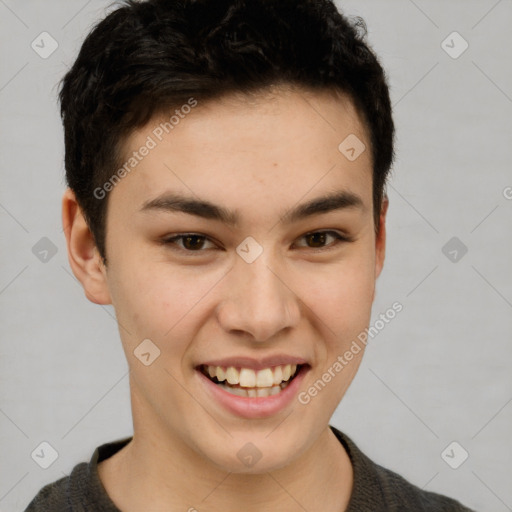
339, 238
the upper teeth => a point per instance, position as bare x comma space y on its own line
248, 378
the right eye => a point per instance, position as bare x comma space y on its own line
188, 242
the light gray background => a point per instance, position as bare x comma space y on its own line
439, 372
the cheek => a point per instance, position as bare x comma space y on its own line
343, 302
342, 298
158, 302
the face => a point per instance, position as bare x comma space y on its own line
243, 247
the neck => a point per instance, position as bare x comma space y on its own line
156, 471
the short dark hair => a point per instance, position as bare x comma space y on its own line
149, 56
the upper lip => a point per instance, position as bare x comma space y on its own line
255, 364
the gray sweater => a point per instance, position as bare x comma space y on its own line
375, 488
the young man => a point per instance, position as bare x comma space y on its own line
226, 163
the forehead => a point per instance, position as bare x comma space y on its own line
250, 152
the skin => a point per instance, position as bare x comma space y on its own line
259, 156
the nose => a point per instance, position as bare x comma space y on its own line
259, 302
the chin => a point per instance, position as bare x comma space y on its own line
252, 453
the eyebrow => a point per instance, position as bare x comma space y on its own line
173, 202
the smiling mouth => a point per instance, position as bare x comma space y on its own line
248, 383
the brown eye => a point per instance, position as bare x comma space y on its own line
316, 239
193, 242
320, 239
188, 242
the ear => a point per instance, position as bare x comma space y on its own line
380, 239
83, 255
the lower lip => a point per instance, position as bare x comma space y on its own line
257, 407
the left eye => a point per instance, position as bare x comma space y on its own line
318, 239
194, 242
